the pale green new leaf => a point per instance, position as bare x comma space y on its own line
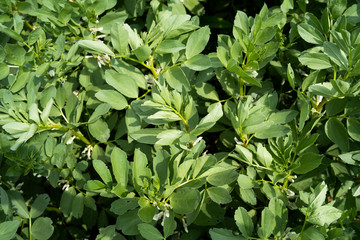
315, 60
95, 46
209, 120
197, 42
324, 215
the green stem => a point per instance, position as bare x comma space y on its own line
30, 235
153, 71
77, 134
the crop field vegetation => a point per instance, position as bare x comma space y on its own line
179, 119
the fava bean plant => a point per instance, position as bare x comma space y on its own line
162, 119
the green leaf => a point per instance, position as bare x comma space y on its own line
268, 130
223, 234
42, 228
120, 166
99, 111
312, 233
233, 66
197, 42
221, 177
318, 196
15, 54
169, 225
308, 162
244, 222
170, 46
149, 232
46, 111
147, 212
99, 130
268, 223
219, 195
140, 171
4, 201
8, 229
290, 75
198, 62
22, 78
66, 201
336, 55
11, 33
119, 38
121, 206
185, 200
337, 133
95, 46
209, 120
177, 79
115, 99
4, 70
18, 203
324, 215
103, 171
78, 205
248, 195
310, 34
93, 185
39, 205
207, 91
323, 89
142, 53
315, 60
353, 128
128, 222
283, 116
287, 5
245, 182
123, 83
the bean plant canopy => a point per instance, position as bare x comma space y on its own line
179, 119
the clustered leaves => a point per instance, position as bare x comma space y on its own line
125, 120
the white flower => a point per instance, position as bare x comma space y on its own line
254, 74
238, 142
70, 140
94, 30
87, 151
197, 141
51, 73
103, 60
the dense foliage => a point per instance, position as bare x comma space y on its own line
179, 119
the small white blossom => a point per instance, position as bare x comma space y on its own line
254, 74
87, 151
289, 193
103, 60
185, 224
70, 140
238, 142
94, 30
66, 187
158, 216
197, 141
51, 73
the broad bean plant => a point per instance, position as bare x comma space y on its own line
149, 119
